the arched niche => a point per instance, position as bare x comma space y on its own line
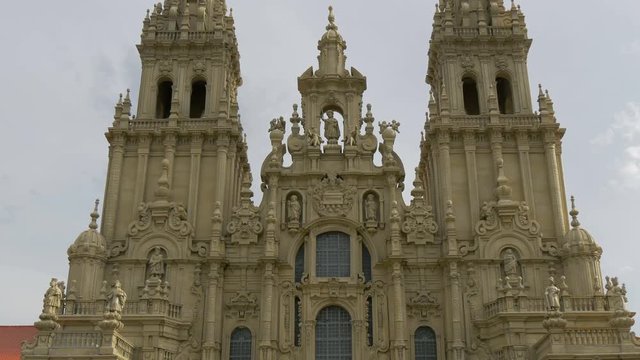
294, 210
164, 95
198, 98
504, 94
156, 264
470, 95
371, 209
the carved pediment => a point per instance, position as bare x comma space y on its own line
495, 217
243, 305
332, 197
424, 305
245, 224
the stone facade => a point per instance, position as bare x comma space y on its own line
481, 264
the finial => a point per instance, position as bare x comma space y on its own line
546, 92
162, 192
148, 12
128, 94
295, 111
513, 5
94, 216
503, 191
230, 12
120, 99
332, 20
369, 113
574, 213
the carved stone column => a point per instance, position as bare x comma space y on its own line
212, 340
399, 344
144, 142
267, 342
525, 170
444, 139
194, 178
554, 183
113, 186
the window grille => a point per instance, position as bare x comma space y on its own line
240, 348
299, 266
333, 334
425, 343
366, 264
333, 255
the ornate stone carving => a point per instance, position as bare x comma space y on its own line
51, 306
294, 212
277, 124
245, 224
371, 207
467, 62
419, 224
165, 67
501, 63
424, 305
331, 128
552, 296
243, 305
332, 197
155, 265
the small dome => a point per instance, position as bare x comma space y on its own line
332, 33
90, 241
578, 239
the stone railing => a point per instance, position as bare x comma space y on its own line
123, 348
538, 305
159, 124
591, 337
475, 31
131, 308
76, 340
481, 121
164, 354
202, 36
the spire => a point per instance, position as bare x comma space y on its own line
332, 46
574, 213
94, 216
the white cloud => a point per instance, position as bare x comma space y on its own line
625, 131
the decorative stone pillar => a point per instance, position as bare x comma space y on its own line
211, 346
113, 185
554, 182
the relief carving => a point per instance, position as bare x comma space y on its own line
332, 197
243, 305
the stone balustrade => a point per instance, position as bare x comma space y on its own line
482, 121
524, 304
77, 340
131, 308
592, 337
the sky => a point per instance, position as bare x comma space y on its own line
65, 65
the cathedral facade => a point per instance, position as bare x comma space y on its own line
485, 262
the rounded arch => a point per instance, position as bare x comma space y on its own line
164, 96
425, 343
504, 92
334, 105
145, 245
198, 99
497, 244
241, 343
470, 94
335, 302
333, 334
321, 225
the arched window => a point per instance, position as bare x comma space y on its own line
240, 347
163, 101
333, 255
198, 99
470, 94
299, 266
425, 344
505, 95
366, 264
333, 334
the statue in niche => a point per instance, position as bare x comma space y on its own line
371, 212
294, 212
331, 128
552, 296
116, 299
510, 263
156, 264
313, 138
52, 299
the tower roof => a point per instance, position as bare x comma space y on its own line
579, 240
332, 60
90, 241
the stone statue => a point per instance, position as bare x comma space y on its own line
552, 296
156, 264
331, 128
52, 299
313, 138
277, 124
352, 138
116, 299
616, 294
510, 263
371, 208
293, 209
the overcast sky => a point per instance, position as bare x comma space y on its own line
64, 66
